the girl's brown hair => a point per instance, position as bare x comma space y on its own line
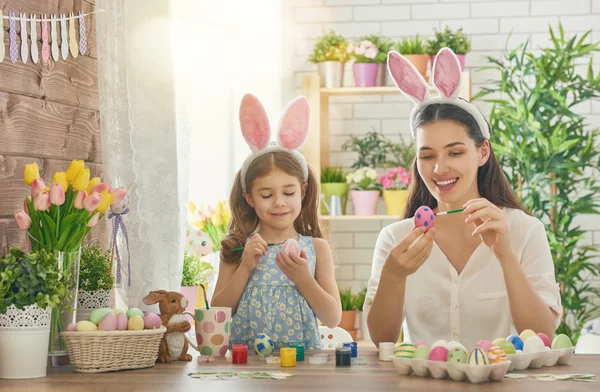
491, 181
244, 220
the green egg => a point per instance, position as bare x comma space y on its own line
422, 352
405, 350
561, 341
98, 314
505, 345
457, 355
134, 312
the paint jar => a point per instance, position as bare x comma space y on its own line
239, 353
386, 351
343, 356
299, 351
288, 356
353, 347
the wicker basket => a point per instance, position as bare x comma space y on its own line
96, 352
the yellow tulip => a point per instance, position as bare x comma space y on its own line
216, 219
31, 173
199, 224
226, 216
105, 202
191, 207
61, 178
82, 180
74, 169
93, 182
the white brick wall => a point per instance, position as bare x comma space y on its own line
488, 22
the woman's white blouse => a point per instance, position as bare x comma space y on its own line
440, 304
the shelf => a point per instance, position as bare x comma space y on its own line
357, 217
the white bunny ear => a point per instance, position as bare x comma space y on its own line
294, 124
254, 123
409, 81
446, 74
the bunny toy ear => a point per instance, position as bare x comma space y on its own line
294, 124
154, 297
446, 74
408, 80
254, 123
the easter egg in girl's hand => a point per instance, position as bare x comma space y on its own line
291, 247
424, 217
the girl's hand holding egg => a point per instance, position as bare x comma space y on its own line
294, 266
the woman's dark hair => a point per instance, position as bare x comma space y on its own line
491, 181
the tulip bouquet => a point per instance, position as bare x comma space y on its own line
395, 179
214, 222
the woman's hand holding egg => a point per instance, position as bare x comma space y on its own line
405, 259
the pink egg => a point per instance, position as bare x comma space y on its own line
485, 345
545, 339
439, 353
291, 247
424, 217
71, 327
122, 322
151, 321
421, 343
108, 322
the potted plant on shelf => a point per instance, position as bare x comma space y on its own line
365, 190
333, 183
330, 55
365, 65
30, 287
384, 45
457, 40
395, 189
95, 281
371, 149
415, 50
195, 275
348, 321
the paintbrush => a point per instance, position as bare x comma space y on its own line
450, 212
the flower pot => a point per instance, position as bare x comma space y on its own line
87, 301
461, 60
364, 202
348, 321
420, 62
365, 74
334, 189
331, 74
382, 74
395, 201
24, 336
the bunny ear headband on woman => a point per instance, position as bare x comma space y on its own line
446, 79
291, 135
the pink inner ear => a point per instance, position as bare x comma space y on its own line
293, 130
254, 122
407, 78
446, 73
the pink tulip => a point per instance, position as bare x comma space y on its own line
37, 186
25, 207
78, 203
91, 202
42, 201
118, 195
103, 186
23, 220
57, 195
94, 220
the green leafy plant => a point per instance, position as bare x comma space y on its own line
94, 271
31, 278
331, 174
330, 47
347, 299
551, 157
383, 44
371, 149
401, 154
195, 271
359, 299
457, 40
412, 45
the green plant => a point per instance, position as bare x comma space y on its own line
195, 272
401, 154
457, 40
31, 278
330, 174
347, 299
412, 45
384, 45
359, 299
371, 149
550, 156
330, 47
94, 271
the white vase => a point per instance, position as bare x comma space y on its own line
24, 337
214, 259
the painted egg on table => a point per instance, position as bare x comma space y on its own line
545, 339
496, 355
526, 334
505, 345
85, 326
291, 247
121, 322
477, 357
561, 341
98, 314
439, 353
263, 345
484, 344
108, 322
516, 341
457, 355
533, 345
405, 350
422, 352
151, 321
424, 217
454, 344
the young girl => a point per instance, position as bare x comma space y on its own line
274, 198
483, 274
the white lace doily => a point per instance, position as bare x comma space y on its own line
93, 299
29, 318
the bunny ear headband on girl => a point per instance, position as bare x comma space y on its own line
291, 135
446, 79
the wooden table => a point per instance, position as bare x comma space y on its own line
375, 376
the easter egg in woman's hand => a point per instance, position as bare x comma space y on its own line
291, 247
424, 217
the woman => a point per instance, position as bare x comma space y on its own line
481, 274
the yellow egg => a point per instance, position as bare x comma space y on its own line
118, 311
135, 323
85, 326
526, 334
